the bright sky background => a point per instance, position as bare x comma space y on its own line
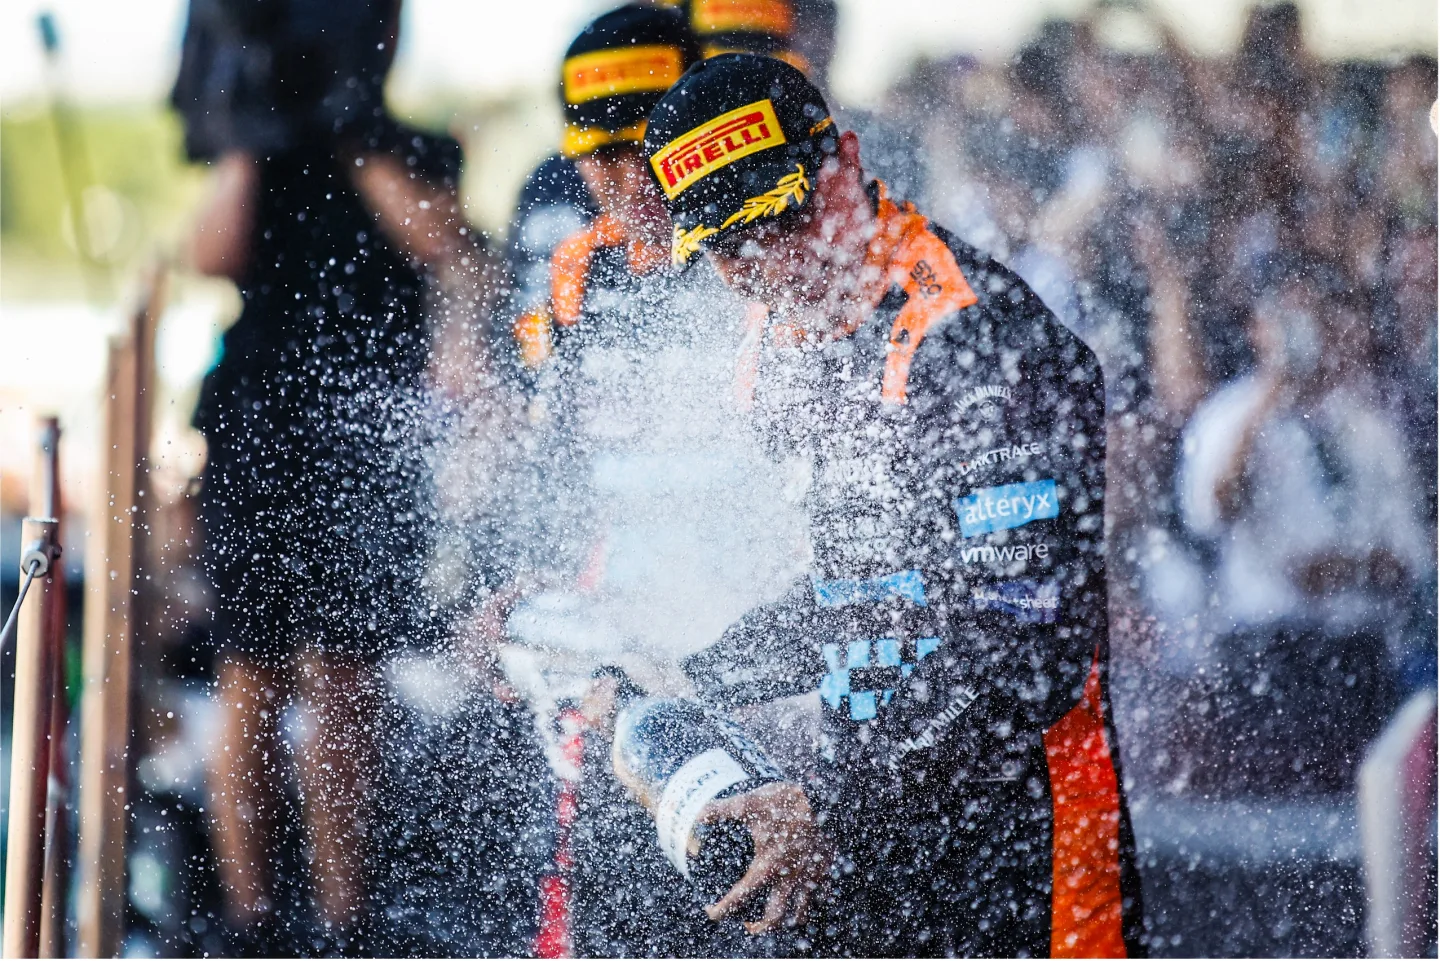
126, 50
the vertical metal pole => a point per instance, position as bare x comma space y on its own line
45, 502
75, 167
30, 745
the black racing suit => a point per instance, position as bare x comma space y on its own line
954, 623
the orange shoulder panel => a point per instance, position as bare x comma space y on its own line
936, 289
1085, 900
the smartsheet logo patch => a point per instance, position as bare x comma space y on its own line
992, 509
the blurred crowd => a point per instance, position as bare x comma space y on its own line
1249, 244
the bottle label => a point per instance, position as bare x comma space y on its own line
698, 782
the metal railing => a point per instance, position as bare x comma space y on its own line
40, 849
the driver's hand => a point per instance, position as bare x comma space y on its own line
480, 640
789, 861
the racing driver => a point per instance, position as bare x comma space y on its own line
967, 798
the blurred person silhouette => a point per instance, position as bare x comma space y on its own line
890, 146
331, 218
1406, 281
1301, 482
606, 91
611, 74
1253, 180
1406, 293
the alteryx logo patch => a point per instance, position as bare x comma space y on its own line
1001, 508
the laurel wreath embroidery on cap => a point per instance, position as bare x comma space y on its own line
789, 188
687, 242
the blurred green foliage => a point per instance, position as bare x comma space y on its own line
138, 191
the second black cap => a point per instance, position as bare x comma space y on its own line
615, 71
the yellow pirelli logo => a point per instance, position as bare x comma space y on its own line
716, 144
743, 16
611, 73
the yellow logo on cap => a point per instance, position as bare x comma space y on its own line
717, 143
743, 16
611, 73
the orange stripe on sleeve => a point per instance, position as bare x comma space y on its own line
1085, 905
570, 263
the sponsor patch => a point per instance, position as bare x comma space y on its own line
1006, 555
1001, 455
984, 396
1010, 505
716, 144
611, 73
742, 16
870, 672
925, 279
1026, 601
959, 703
844, 592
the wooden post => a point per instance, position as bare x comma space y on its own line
110, 579
45, 501
30, 744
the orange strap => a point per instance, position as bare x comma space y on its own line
570, 264
925, 269
534, 337
1085, 900
904, 253
752, 343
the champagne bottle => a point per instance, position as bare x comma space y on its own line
675, 757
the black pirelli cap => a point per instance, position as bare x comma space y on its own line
739, 138
615, 72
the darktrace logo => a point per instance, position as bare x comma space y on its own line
1001, 455
1001, 508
